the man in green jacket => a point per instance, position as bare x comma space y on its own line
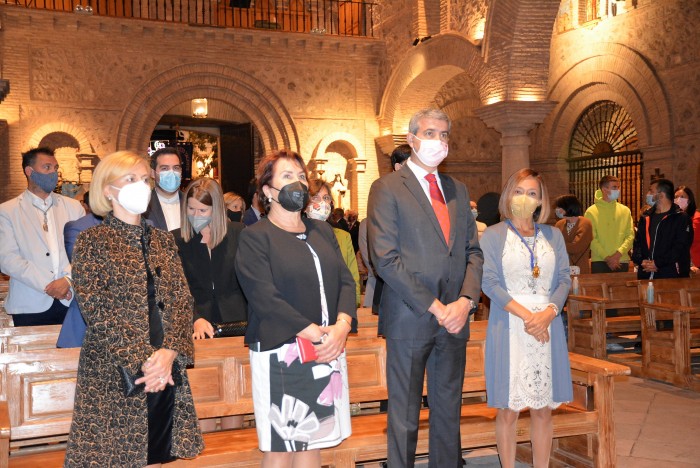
613, 231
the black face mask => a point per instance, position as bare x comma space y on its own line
293, 197
234, 215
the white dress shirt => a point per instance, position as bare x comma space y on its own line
420, 174
171, 210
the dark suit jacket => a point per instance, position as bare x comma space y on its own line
154, 212
409, 253
249, 217
278, 275
354, 235
224, 302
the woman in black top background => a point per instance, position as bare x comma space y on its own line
208, 243
297, 285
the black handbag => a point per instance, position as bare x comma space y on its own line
226, 329
129, 380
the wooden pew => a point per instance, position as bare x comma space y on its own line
672, 353
16, 339
587, 312
38, 388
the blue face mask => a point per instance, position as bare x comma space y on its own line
650, 199
614, 195
475, 213
199, 222
46, 182
169, 180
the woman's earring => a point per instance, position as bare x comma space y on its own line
269, 199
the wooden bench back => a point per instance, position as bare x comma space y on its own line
671, 291
39, 385
609, 285
16, 339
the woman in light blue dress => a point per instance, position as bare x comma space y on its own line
526, 275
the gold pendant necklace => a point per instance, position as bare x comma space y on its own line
536, 271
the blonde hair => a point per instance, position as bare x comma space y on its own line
541, 214
208, 192
110, 168
230, 197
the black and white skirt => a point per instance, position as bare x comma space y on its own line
299, 407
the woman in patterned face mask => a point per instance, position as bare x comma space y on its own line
132, 390
526, 275
301, 297
320, 207
577, 231
685, 199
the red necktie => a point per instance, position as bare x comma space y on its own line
439, 206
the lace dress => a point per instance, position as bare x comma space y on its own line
530, 361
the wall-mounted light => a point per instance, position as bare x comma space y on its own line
360, 165
200, 108
83, 10
320, 167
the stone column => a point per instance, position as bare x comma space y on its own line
514, 120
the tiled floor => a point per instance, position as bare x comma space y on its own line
656, 426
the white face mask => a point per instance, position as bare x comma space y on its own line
682, 203
321, 213
614, 195
134, 197
431, 152
560, 213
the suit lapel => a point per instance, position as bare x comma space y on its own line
30, 214
411, 182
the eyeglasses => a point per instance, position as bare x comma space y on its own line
325, 198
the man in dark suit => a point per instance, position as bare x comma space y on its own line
164, 208
423, 244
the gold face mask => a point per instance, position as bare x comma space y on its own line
523, 206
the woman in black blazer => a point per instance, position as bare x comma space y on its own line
208, 243
298, 287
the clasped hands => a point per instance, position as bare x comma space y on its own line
328, 341
452, 316
537, 324
157, 371
59, 289
649, 266
613, 261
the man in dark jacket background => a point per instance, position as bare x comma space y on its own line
662, 243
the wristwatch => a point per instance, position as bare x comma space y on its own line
472, 305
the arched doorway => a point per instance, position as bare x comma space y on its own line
605, 142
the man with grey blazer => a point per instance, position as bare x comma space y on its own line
32, 251
423, 244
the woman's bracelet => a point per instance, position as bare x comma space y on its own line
554, 308
344, 320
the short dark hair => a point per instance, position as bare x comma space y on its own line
692, 207
400, 154
606, 179
86, 198
665, 186
29, 158
164, 151
570, 204
266, 169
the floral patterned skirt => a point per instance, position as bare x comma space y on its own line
299, 406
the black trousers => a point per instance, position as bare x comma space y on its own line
54, 315
444, 358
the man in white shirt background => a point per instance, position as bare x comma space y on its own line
164, 207
32, 249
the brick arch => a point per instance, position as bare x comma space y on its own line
616, 73
213, 81
433, 63
351, 140
61, 127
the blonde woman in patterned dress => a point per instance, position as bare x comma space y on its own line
138, 309
526, 275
